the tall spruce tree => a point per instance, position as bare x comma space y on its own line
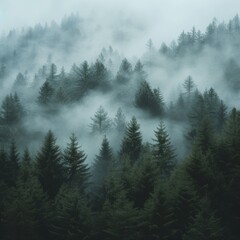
132, 142
74, 162
49, 166
163, 152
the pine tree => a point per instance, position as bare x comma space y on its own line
74, 162
13, 164
205, 226
132, 142
103, 163
72, 216
45, 94
12, 110
49, 165
189, 86
120, 121
163, 152
139, 73
125, 72
26, 166
101, 122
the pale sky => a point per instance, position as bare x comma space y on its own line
162, 20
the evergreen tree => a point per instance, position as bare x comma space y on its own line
74, 162
205, 226
103, 163
45, 94
72, 216
125, 72
149, 100
120, 121
49, 166
12, 164
82, 76
100, 122
163, 152
139, 73
12, 111
132, 142
189, 86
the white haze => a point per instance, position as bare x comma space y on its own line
126, 25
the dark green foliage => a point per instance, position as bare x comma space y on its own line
132, 142
205, 226
46, 94
72, 217
12, 165
103, 163
49, 166
163, 152
12, 110
81, 76
76, 170
149, 100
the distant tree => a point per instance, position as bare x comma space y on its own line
26, 166
60, 96
101, 123
12, 110
82, 77
148, 99
74, 159
100, 77
46, 94
163, 152
189, 86
52, 73
125, 72
49, 166
139, 73
132, 142
20, 81
120, 121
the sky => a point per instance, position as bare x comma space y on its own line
161, 20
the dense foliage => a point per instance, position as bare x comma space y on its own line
133, 188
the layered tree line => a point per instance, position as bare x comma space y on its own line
142, 192
132, 188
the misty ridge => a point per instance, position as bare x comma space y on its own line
99, 144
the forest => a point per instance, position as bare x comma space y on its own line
110, 147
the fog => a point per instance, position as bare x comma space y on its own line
126, 26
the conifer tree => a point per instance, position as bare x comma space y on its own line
74, 162
72, 216
101, 123
49, 165
163, 152
132, 142
120, 121
45, 94
103, 163
125, 72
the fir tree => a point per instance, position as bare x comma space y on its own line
45, 94
132, 142
49, 165
74, 162
100, 122
163, 152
